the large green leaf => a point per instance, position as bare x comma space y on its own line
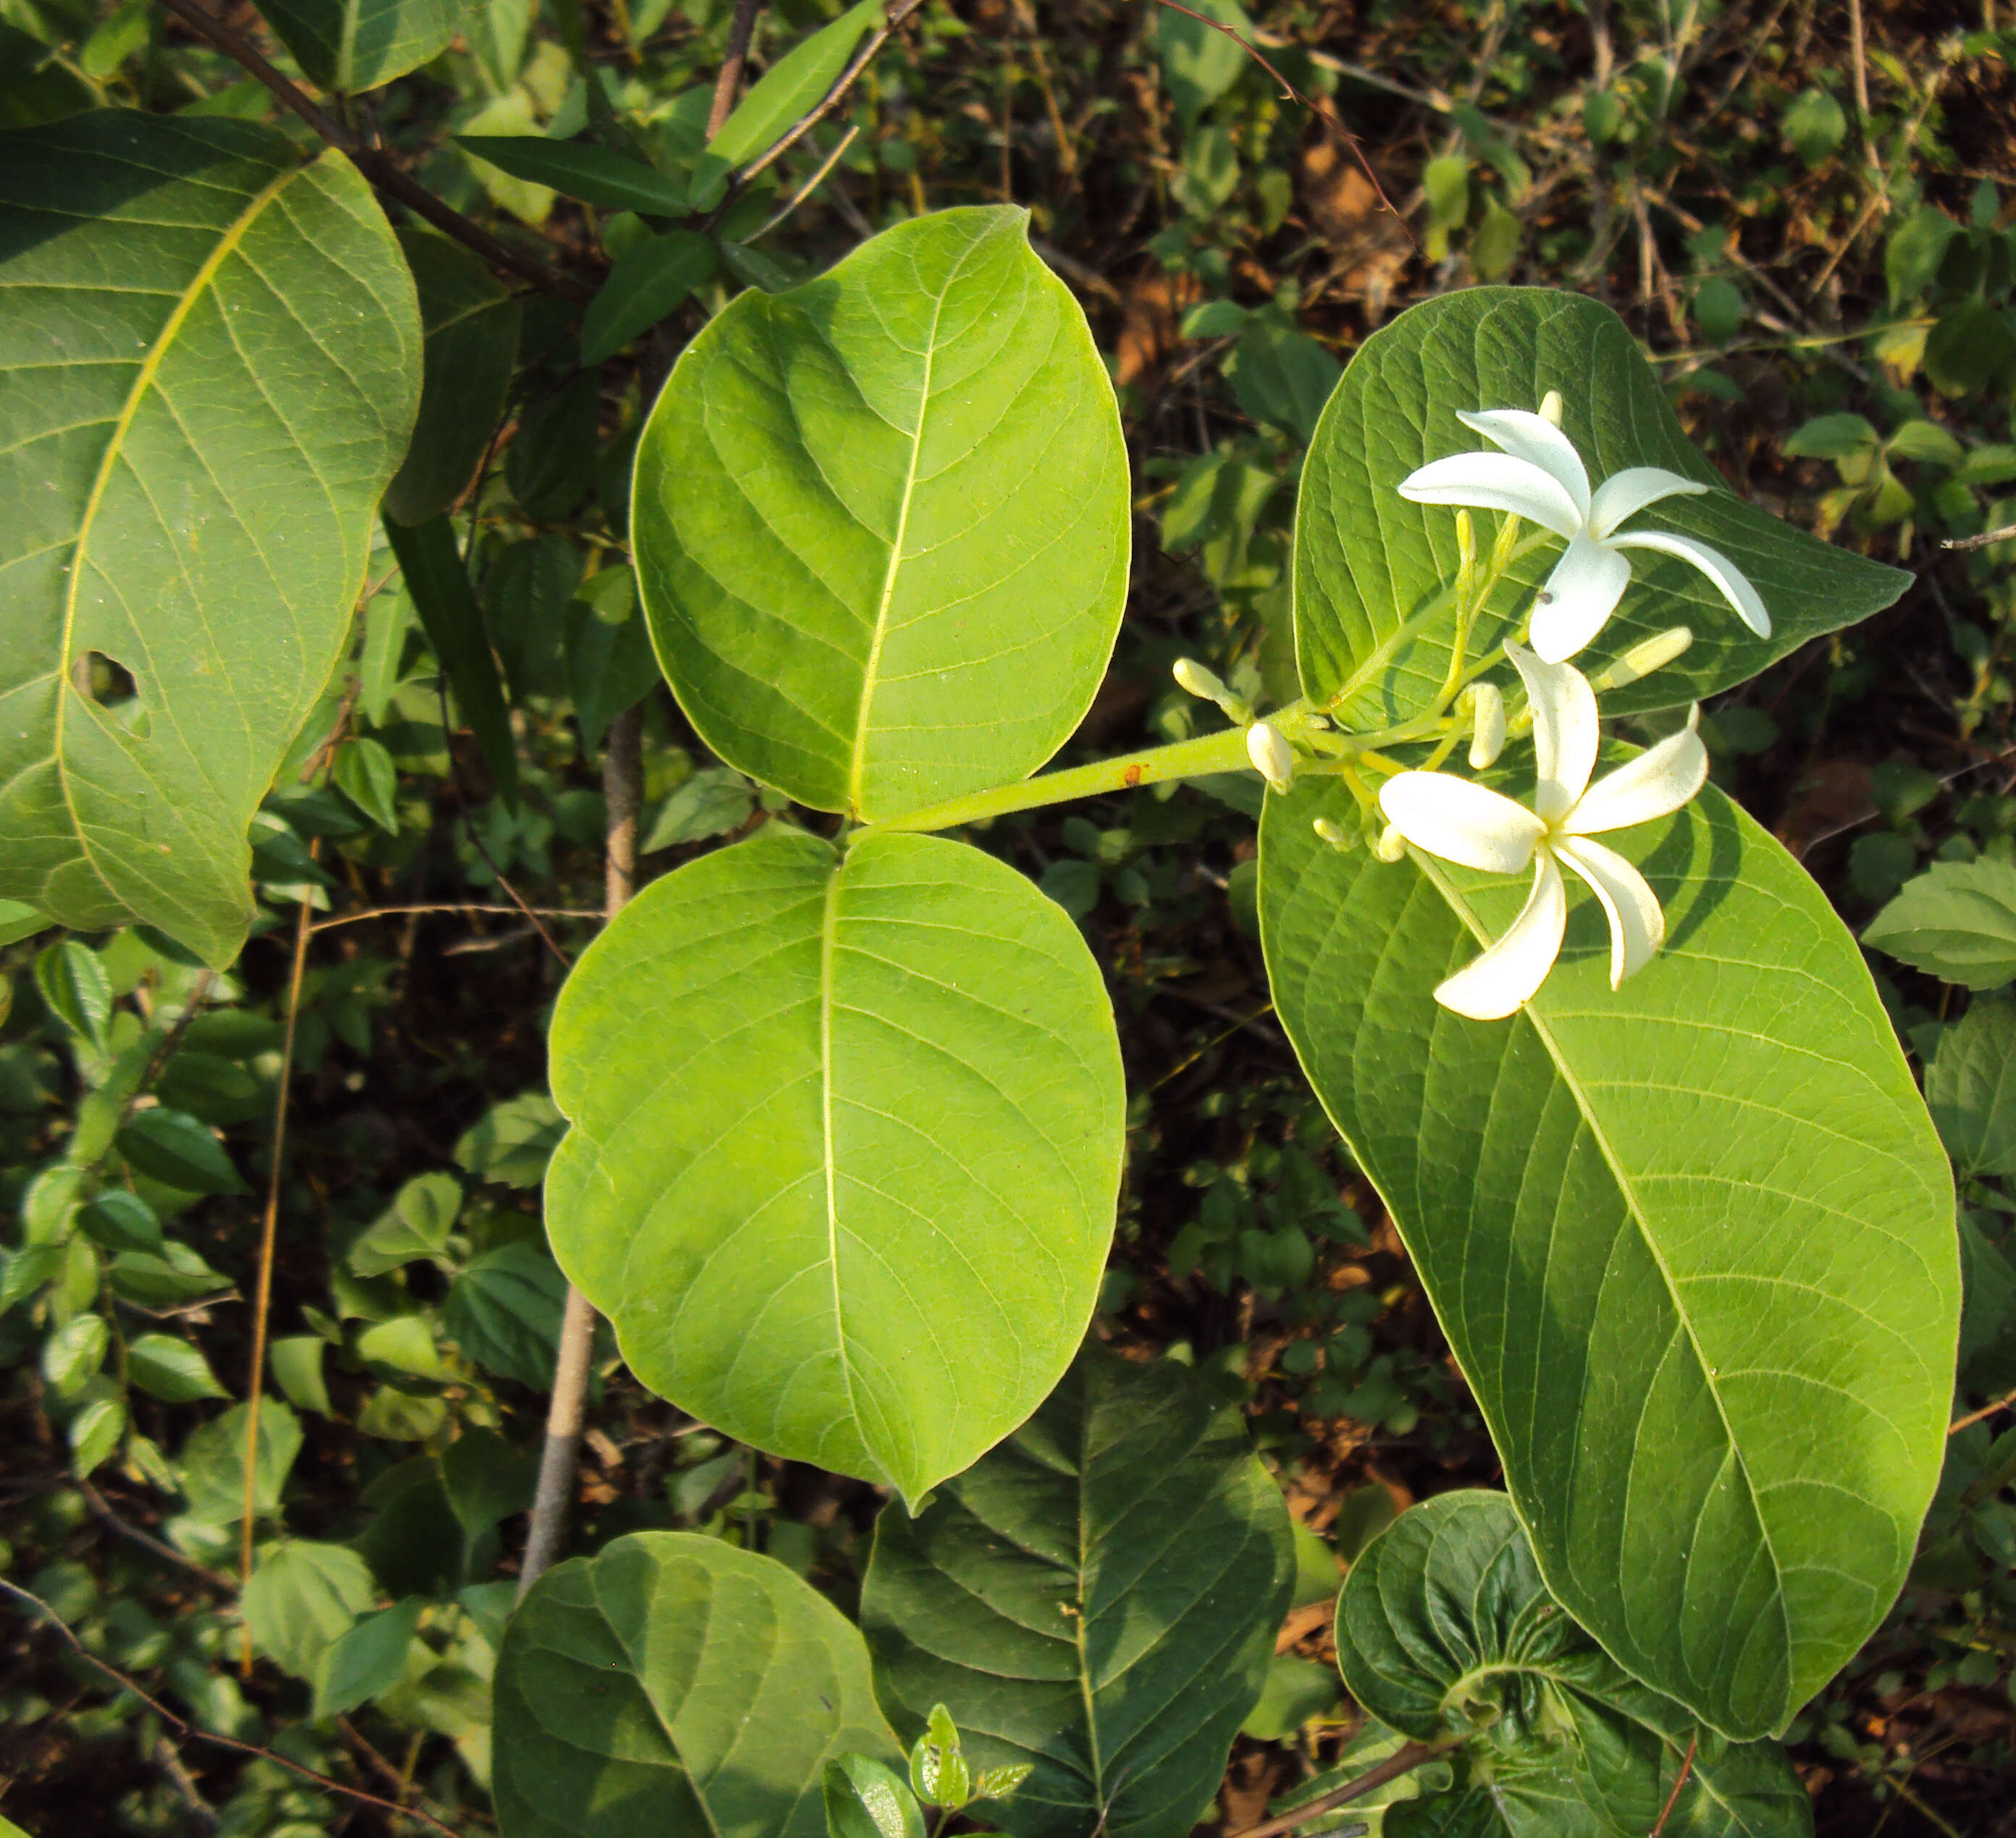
212, 357
673, 1687
1098, 1597
471, 331
881, 521
352, 45
846, 1142
1445, 1628
1367, 561
1691, 1241
1956, 921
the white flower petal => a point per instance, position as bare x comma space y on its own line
1496, 481
1507, 974
1565, 732
1711, 562
1625, 493
1581, 593
1637, 927
1653, 785
1538, 442
1461, 821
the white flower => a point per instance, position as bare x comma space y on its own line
1540, 477
1470, 824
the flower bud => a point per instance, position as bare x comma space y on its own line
1487, 725
1340, 840
1643, 658
1272, 757
1551, 407
1466, 555
1391, 845
1193, 679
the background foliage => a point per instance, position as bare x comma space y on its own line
1799, 207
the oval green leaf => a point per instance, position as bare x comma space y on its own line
673, 1687
213, 355
1368, 564
845, 1146
1692, 1242
881, 521
1444, 1627
1098, 1597
349, 46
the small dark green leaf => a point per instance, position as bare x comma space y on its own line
213, 1463
470, 323
715, 800
121, 1221
297, 1362
1281, 376
1816, 124
173, 1148
1970, 1088
512, 1142
171, 1370
368, 1658
1972, 347
611, 666
488, 1480
350, 46
439, 583
504, 1312
1832, 437
1956, 921
364, 772
576, 169
647, 283
178, 1275
525, 597
402, 1353
74, 986
550, 466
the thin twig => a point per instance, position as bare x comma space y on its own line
463, 908
167, 1553
1680, 1781
262, 1295
377, 165
810, 185
191, 1732
1405, 1760
623, 797
1986, 1411
740, 30
1981, 541
826, 103
199, 994
1322, 110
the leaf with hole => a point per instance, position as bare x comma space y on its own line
673, 1687
881, 521
1373, 625
845, 1144
1692, 1242
1098, 1597
194, 464
1444, 1629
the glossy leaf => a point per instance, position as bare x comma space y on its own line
673, 1687
193, 466
167, 1368
1445, 1628
173, 1148
1367, 561
1956, 921
881, 521
350, 46
578, 169
470, 323
845, 1146
436, 577
1971, 1088
1098, 1596
1692, 1242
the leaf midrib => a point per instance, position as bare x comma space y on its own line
829, 945
1629, 1191
143, 382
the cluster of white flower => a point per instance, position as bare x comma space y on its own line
1538, 475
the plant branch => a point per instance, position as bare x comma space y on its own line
191, 1732
376, 165
827, 103
1986, 1411
1403, 1760
740, 31
623, 795
1680, 1781
464, 909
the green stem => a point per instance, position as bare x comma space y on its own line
1222, 751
